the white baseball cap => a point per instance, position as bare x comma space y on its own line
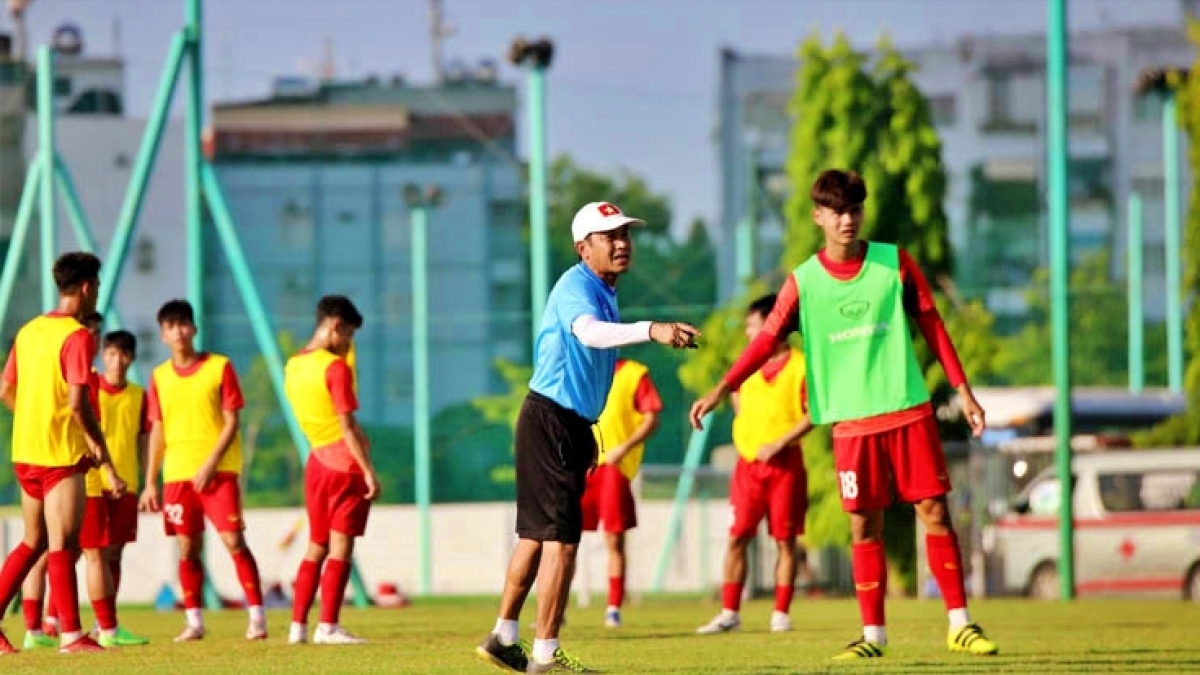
599, 217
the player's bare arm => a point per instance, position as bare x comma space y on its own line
8, 394
352, 433
85, 417
793, 435
650, 421
972, 411
155, 445
205, 473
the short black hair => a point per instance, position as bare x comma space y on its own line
176, 311
339, 307
838, 190
74, 269
93, 320
122, 340
762, 306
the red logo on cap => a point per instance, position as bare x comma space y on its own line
607, 210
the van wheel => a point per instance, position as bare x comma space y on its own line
1043, 583
1191, 588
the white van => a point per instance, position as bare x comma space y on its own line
1137, 528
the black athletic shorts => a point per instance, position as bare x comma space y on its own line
555, 448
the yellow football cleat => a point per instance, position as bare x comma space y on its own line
971, 640
861, 649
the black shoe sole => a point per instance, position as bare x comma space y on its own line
485, 655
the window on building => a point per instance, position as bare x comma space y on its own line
943, 108
399, 385
296, 224
1087, 96
143, 255
396, 231
295, 296
397, 306
1147, 108
1014, 101
147, 341
97, 102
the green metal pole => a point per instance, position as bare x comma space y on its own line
143, 165
1137, 377
193, 199
16, 243
539, 236
747, 231
1171, 241
691, 461
87, 242
1056, 116
47, 209
420, 350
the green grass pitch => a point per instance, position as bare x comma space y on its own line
1109, 636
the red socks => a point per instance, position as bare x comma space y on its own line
191, 582
945, 561
305, 590
16, 567
333, 589
61, 568
106, 613
731, 596
616, 591
783, 598
247, 573
32, 609
870, 581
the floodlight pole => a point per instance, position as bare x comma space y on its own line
1060, 261
420, 202
1172, 237
538, 54
47, 210
1135, 281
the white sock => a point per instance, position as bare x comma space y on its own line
299, 627
195, 617
108, 633
37, 633
611, 608
326, 628
875, 634
543, 650
51, 620
729, 613
959, 618
256, 614
508, 631
70, 638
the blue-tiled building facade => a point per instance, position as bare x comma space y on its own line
314, 180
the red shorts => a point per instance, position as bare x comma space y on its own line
776, 489
905, 463
336, 502
608, 501
184, 509
36, 480
96, 530
122, 520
